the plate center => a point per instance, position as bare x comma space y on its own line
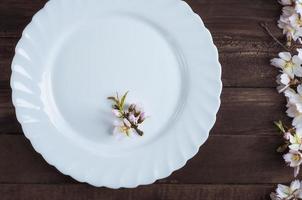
116, 54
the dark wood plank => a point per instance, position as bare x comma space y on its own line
222, 160
8, 120
240, 149
228, 17
253, 110
245, 49
15, 14
7, 49
152, 192
250, 111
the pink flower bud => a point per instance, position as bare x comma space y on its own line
116, 112
131, 107
142, 115
286, 136
141, 118
132, 119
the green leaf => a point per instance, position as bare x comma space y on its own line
122, 103
280, 126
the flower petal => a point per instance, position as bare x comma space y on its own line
277, 62
297, 33
292, 111
295, 147
297, 60
132, 119
299, 52
298, 71
116, 112
285, 56
283, 191
295, 185
297, 122
292, 139
287, 157
284, 79
298, 8
296, 170
299, 89
299, 192
285, 2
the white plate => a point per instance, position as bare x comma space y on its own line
75, 53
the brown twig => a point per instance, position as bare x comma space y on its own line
264, 25
295, 82
135, 127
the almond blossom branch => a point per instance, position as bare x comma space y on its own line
289, 82
129, 117
291, 192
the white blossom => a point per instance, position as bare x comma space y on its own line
290, 23
292, 109
295, 20
298, 6
295, 4
284, 192
293, 159
117, 113
290, 65
284, 82
294, 113
142, 116
288, 82
290, 32
287, 11
286, 2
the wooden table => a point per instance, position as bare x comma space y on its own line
237, 162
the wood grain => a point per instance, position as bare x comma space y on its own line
234, 17
222, 160
152, 192
239, 159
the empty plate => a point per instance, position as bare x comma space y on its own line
76, 53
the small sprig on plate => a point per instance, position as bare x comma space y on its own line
130, 117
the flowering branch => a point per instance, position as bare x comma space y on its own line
129, 117
284, 192
291, 21
289, 82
